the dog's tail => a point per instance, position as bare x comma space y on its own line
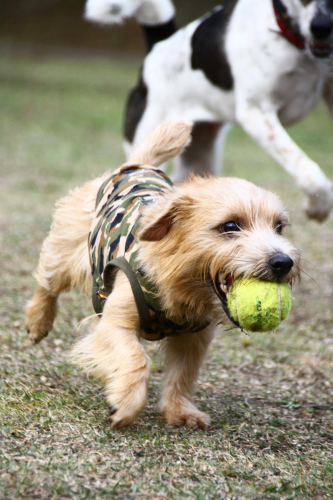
146, 12
166, 142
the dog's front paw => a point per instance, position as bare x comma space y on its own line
120, 418
37, 326
318, 206
185, 414
40, 314
117, 421
127, 398
123, 416
36, 335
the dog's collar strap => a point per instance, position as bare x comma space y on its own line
99, 295
139, 296
223, 299
153, 323
289, 28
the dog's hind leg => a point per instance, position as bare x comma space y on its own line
147, 12
64, 259
204, 154
113, 353
183, 357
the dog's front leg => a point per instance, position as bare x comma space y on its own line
183, 357
113, 352
328, 95
266, 129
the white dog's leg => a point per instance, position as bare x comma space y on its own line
148, 12
205, 152
267, 131
328, 95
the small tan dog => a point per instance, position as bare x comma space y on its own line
184, 246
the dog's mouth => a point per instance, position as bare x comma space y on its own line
321, 49
221, 285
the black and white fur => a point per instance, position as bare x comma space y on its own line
232, 66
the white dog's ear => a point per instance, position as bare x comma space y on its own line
160, 217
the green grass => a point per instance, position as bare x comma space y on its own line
270, 396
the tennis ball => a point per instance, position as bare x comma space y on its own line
258, 305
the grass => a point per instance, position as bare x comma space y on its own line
270, 395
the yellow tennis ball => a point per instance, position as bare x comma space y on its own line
258, 305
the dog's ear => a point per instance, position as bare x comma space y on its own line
161, 217
157, 229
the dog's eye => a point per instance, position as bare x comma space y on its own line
279, 227
228, 227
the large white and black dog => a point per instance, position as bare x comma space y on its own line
263, 64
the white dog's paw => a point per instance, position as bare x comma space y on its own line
110, 11
318, 206
116, 11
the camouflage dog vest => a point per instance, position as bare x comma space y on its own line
113, 245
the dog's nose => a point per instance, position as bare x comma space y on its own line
321, 27
280, 264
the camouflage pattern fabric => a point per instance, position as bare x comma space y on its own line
113, 235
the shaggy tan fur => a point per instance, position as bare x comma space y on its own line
184, 244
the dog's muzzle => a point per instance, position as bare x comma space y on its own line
280, 265
321, 28
278, 268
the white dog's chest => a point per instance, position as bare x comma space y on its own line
296, 94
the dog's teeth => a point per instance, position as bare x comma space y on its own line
223, 283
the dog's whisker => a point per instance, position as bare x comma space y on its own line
310, 277
307, 262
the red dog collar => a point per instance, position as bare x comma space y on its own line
289, 28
